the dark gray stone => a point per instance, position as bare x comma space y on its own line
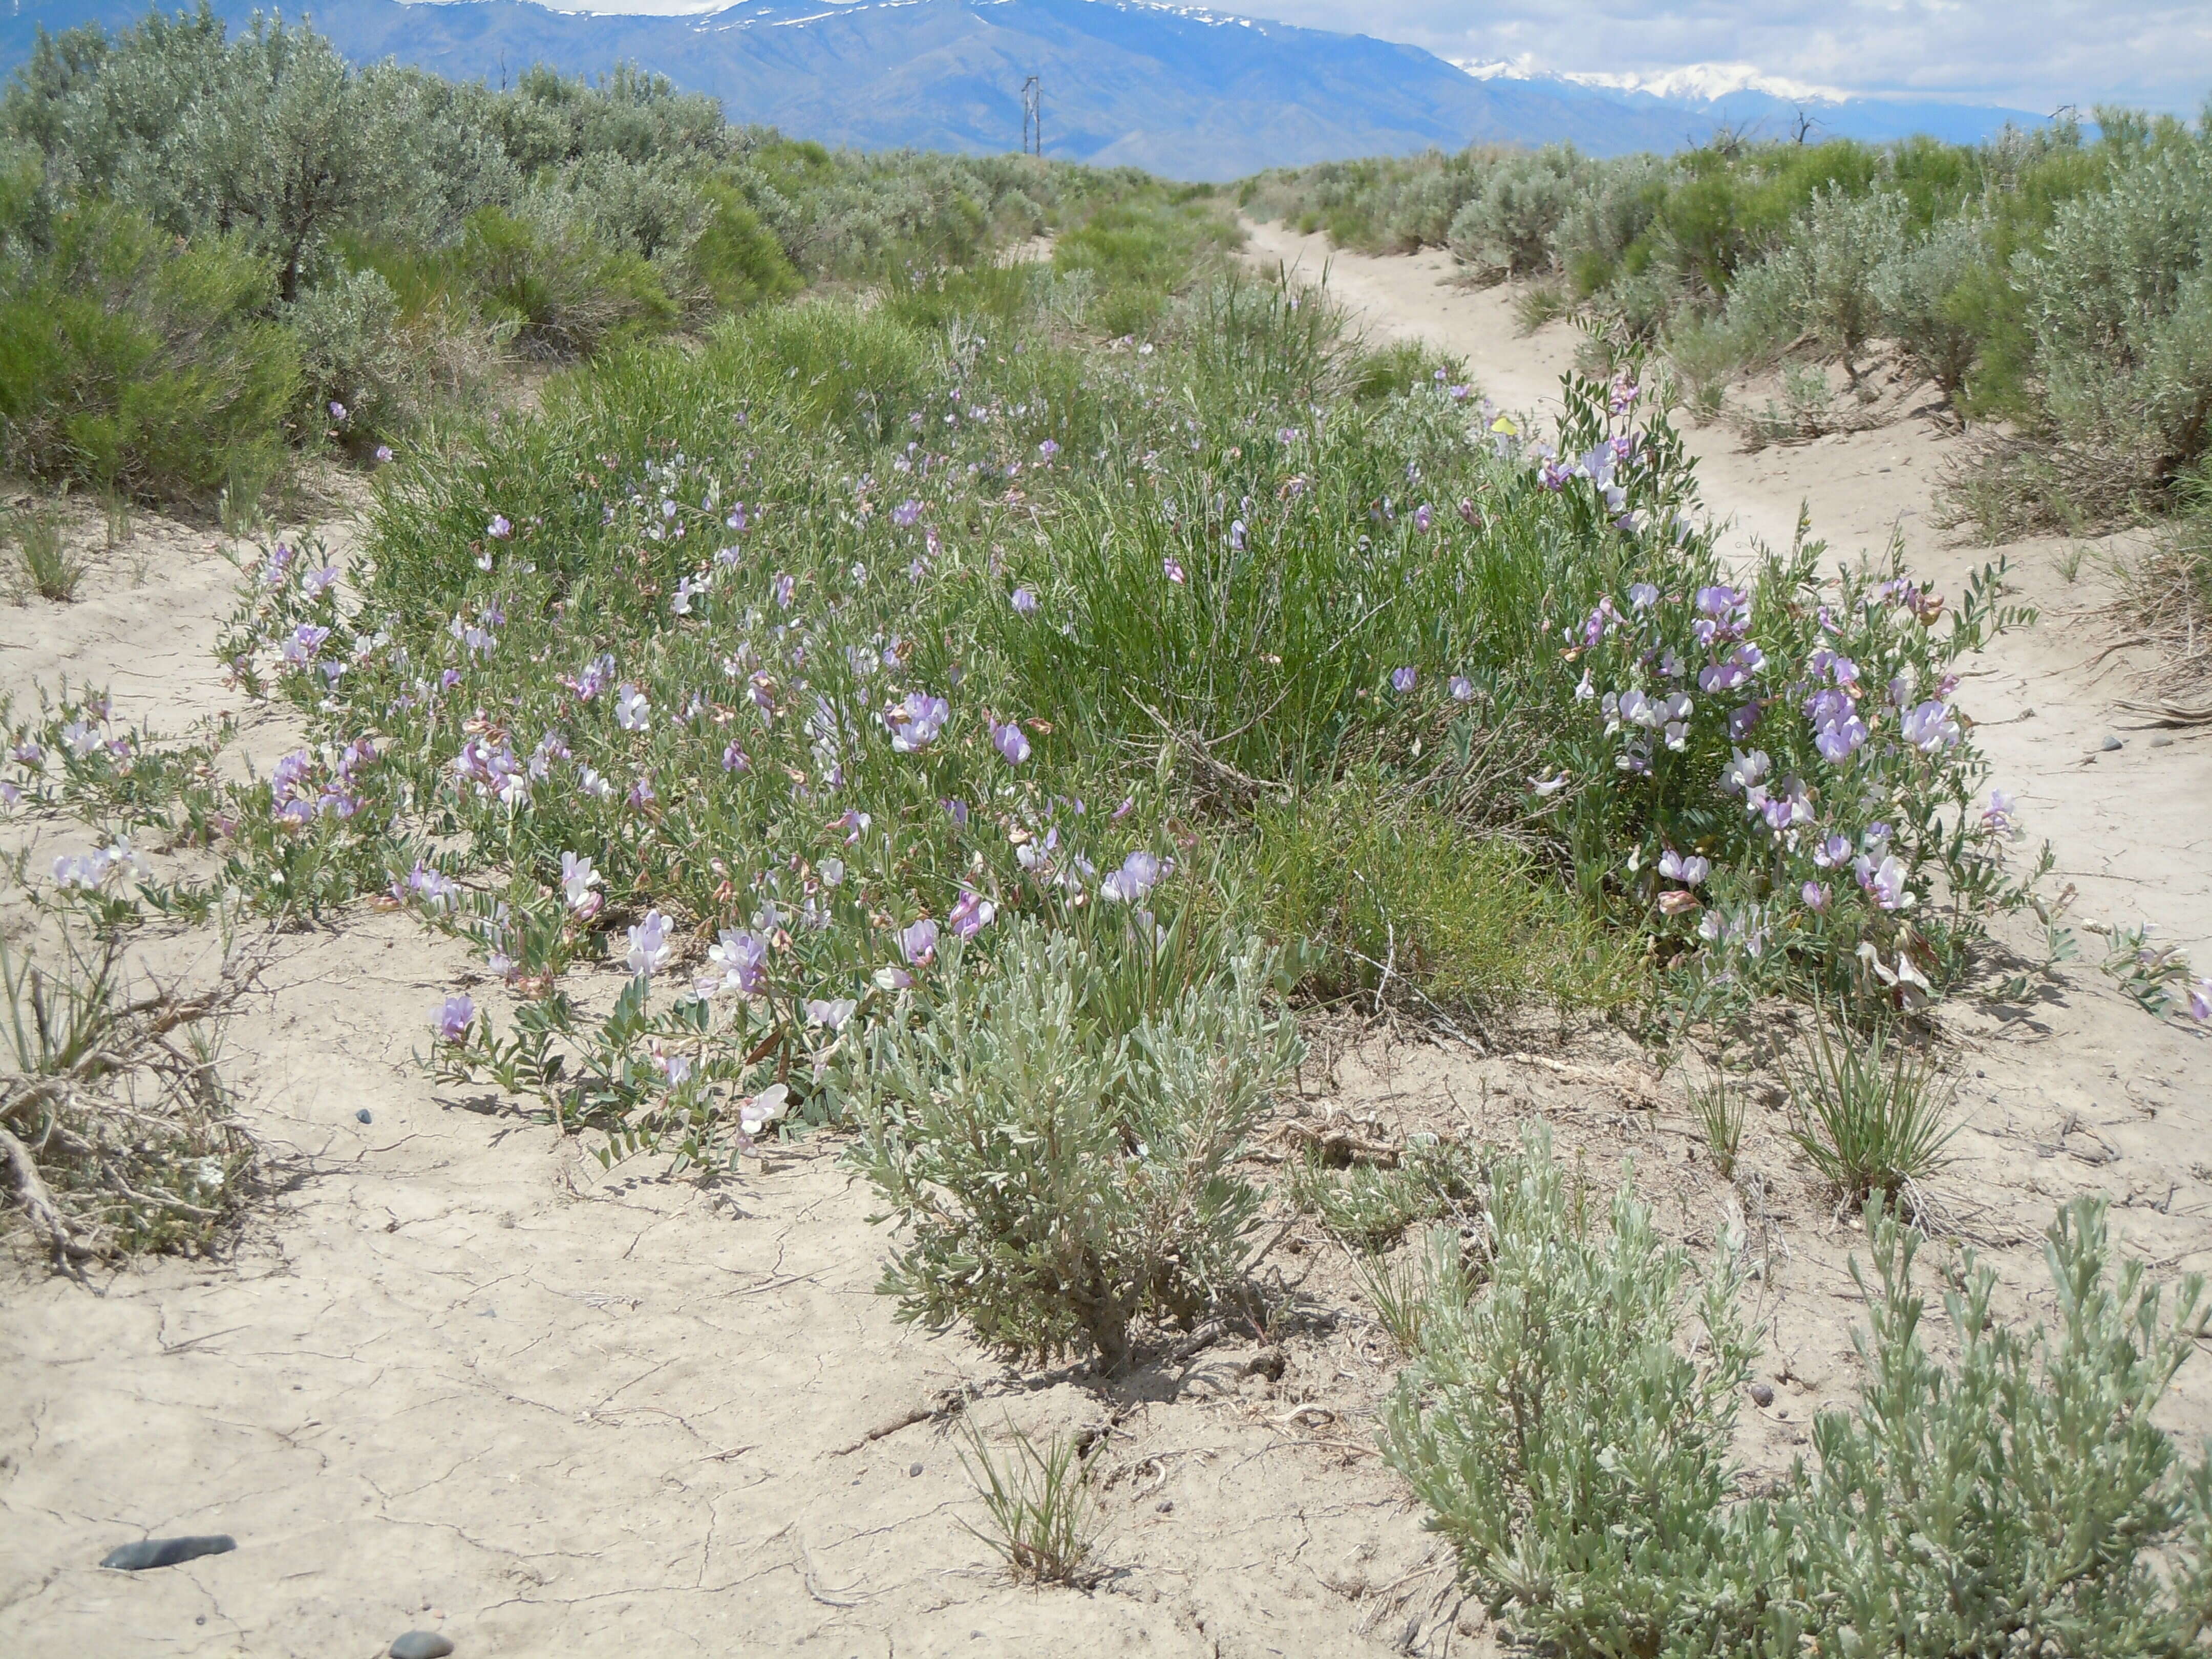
362, 1116
165, 1551
421, 1644
2112, 743
1761, 1395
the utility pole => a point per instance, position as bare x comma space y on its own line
1032, 118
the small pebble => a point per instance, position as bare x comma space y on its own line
362, 1117
913, 1469
165, 1551
1761, 1395
421, 1645
2111, 743
2161, 742
1165, 1506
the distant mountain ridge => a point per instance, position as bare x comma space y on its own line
1185, 92
1769, 106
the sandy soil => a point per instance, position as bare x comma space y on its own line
455, 1376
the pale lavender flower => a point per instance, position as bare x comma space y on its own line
742, 960
577, 879
1929, 727
971, 914
1422, 517
831, 1014
2200, 999
1462, 688
1010, 743
454, 1016
1744, 770
1024, 602
1642, 596
1997, 818
1815, 895
498, 528
915, 722
632, 712
384, 454
918, 943
734, 758
786, 589
1237, 535
956, 811
1833, 853
649, 948
1403, 680
1690, 870
1138, 874
1048, 449
1886, 883
1172, 569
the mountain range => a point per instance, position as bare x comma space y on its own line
1180, 91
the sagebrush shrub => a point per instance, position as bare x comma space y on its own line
2018, 1500
1918, 292
1057, 1182
1507, 230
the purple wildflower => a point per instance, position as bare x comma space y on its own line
1010, 743
455, 1016
918, 943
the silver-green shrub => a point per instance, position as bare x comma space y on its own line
1507, 229
1572, 1440
2119, 298
1916, 292
1059, 1180
1820, 282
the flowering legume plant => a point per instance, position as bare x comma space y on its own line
767, 670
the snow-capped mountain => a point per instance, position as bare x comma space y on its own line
1189, 92
1744, 99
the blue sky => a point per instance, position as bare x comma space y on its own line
2028, 54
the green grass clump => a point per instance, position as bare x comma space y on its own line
1873, 1117
1469, 919
1044, 1520
1370, 1206
49, 569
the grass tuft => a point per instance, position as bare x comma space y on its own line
1043, 1521
1873, 1116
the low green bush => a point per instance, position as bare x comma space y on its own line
563, 292
129, 361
